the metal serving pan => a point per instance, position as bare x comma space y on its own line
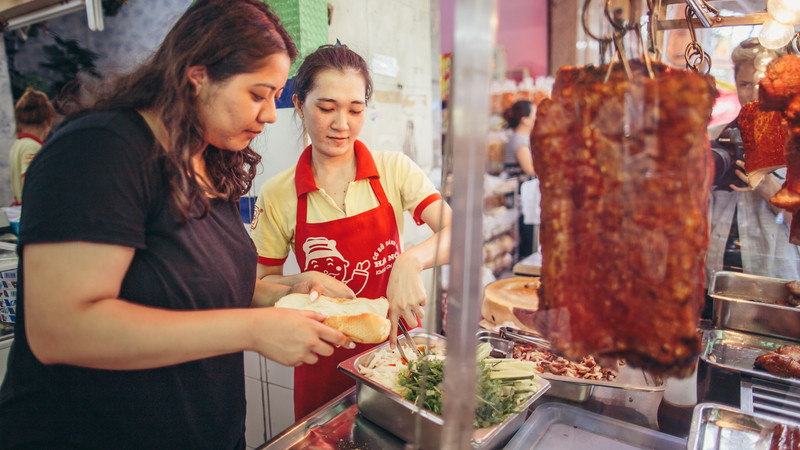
747, 303
580, 390
717, 426
555, 425
736, 352
402, 418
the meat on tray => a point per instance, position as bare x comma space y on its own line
763, 138
587, 368
793, 299
779, 90
783, 362
625, 174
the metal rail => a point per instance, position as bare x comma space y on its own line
475, 23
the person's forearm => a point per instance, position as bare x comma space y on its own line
268, 292
433, 251
114, 334
286, 280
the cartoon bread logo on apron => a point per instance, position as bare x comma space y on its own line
322, 256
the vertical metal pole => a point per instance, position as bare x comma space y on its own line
475, 24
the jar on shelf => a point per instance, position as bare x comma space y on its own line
496, 155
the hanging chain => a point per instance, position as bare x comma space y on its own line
614, 42
695, 56
604, 42
653, 45
794, 44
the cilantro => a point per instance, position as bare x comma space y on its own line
495, 398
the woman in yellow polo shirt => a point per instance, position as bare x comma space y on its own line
340, 209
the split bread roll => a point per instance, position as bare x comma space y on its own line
363, 320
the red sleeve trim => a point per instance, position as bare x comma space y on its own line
424, 204
272, 261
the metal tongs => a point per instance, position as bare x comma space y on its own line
410, 341
513, 334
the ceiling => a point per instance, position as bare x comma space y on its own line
10, 9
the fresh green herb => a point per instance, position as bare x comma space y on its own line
503, 386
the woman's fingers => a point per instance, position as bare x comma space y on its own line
318, 316
419, 312
330, 286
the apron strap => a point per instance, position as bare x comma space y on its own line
377, 188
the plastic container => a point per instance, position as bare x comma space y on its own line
563, 427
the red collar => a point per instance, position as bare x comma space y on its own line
28, 135
304, 179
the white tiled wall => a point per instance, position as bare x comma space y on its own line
270, 406
281, 408
256, 431
255, 422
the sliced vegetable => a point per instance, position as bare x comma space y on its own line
503, 385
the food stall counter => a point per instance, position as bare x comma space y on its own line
530, 266
338, 424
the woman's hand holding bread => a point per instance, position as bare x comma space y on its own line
303, 336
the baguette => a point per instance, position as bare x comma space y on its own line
363, 320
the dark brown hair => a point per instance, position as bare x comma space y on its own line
513, 115
33, 108
228, 37
338, 57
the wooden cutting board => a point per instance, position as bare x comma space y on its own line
511, 302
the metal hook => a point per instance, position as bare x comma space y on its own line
623, 25
794, 44
587, 30
653, 46
646, 54
623, 58
694, 55
689, 24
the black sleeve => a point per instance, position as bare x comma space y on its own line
89, 184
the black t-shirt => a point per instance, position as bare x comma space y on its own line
99, 179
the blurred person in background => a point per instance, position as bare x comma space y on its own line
34, 115
748, 234
518, 162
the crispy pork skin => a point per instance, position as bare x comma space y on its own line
763, 138
779, 90
625, 174
779, 365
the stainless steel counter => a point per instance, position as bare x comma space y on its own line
339, 425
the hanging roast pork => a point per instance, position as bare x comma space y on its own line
625, 173
779, 90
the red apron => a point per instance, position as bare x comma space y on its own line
360, 251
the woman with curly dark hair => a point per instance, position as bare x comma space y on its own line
136, 272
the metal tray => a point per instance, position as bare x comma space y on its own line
402, 418
555, 425
748, 303
579, 390
722, 427
736, 352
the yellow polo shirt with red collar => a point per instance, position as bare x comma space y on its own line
406, 186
